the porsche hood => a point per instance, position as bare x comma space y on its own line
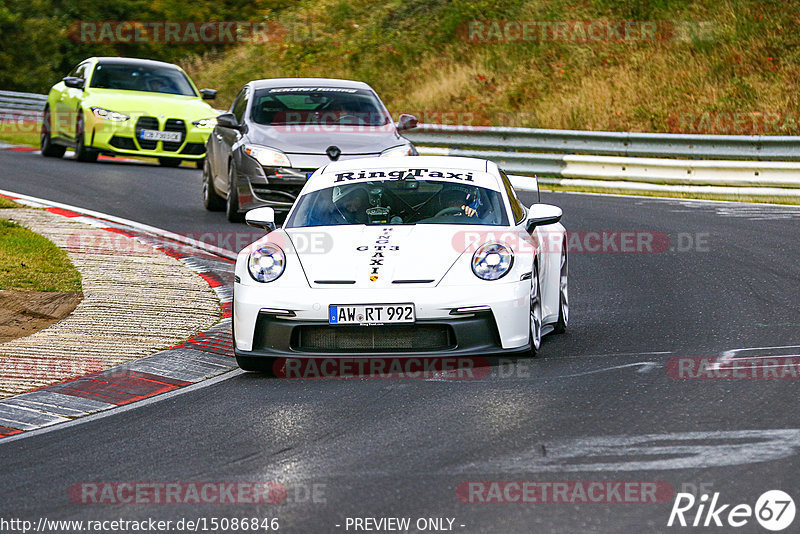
376, 256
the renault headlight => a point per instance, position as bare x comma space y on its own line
205, 123
404, 150
492, 261
266, 263
268, 157
107, 114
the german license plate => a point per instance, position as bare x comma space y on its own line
158, 135
369, 314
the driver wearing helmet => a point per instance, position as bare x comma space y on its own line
352, 203
465, 199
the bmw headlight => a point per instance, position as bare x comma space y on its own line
404, 150
266, 263
107, 114
492, 261
205, 123
268, 157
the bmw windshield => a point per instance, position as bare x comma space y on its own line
146, 78
406, 201
301, 106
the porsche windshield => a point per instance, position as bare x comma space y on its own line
150, 79
406, 201
318, 105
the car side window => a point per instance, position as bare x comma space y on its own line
516, 206
239, 105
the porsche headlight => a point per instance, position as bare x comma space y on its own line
107, 114
266, 263
268, 157
404, 150
205, 123
492, 261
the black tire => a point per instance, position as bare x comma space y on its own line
82, 152
49, 149
232, 202
563, 293
535, 309
200, 163
211, 200
169, 162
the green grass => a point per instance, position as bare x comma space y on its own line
7, 203
28, 261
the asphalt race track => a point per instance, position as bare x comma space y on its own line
597, 405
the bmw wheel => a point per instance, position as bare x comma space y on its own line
49, 149
82, 152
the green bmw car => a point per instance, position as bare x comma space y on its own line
128, 107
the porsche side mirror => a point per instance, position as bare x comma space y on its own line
543, 214
228, 120
406, 122
261, 218
208, 94
75, 82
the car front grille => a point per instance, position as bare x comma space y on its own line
399, 338
174, 125
146, 123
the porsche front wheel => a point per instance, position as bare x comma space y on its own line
563, 294
535, 313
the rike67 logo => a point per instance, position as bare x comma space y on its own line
774, 510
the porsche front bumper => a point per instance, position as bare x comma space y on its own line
275, 322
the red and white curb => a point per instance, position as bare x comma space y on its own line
204, 356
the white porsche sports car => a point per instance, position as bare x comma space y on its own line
421, 256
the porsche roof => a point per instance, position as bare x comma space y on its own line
472, 171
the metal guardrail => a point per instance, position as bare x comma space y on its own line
489, 139
753, 165
21, 104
